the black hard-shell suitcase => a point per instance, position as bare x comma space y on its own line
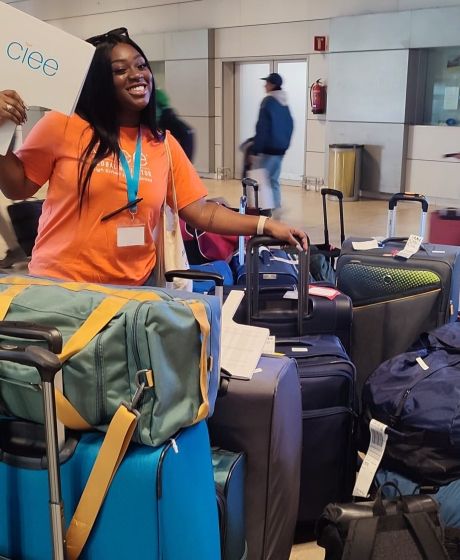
267, 308
394, 300
327, 380
262, 417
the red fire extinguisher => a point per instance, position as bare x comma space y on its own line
318, 98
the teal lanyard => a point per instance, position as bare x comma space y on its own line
132, 181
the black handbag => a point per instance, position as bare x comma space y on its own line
406, 528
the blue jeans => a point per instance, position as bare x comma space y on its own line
273, 166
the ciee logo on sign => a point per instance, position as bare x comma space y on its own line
34, 60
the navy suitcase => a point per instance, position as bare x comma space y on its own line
395, 300
327, 381
266, 307
276, 266
262, 417
161, 503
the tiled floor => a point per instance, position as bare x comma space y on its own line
304, 209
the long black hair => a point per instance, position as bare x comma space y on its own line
98, 106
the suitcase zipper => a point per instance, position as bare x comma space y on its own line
355, 308
399, 409
317, 412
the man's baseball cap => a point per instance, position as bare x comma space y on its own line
274, 79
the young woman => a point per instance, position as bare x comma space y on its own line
105, 157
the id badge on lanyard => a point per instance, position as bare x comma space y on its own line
131, 230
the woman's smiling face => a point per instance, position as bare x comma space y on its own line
133, 83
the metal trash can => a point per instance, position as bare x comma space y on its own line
345, 169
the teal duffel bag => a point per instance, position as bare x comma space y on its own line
115, 339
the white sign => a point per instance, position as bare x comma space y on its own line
44, 64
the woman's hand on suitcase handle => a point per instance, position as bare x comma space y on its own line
294, 236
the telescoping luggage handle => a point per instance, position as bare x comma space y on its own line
253, 184
339, 195
411, 197
47, 364
252, 278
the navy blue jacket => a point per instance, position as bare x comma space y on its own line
274, 126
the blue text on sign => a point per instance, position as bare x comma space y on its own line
33, 59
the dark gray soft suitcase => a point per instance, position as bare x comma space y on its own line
263, 418
394, 300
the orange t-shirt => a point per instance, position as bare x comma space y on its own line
81, 247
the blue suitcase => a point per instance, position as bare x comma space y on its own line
161, 503
276, 268
217, 267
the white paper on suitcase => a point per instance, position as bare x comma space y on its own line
44, 64
241, 345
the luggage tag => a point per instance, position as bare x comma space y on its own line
372, 459
412, 247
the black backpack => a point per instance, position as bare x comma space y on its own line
406, 527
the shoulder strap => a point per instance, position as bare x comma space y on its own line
362, 532
360, 539
424, 533
111, 453
171, 181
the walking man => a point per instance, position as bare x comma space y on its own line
273, 132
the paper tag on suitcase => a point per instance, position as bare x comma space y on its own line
412, 247
372, 459
365, 245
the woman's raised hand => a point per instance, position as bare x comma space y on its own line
12, 107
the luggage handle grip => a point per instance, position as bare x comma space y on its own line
248, 182
33, 331
45, 362
218, 279
332, 192
409, 197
